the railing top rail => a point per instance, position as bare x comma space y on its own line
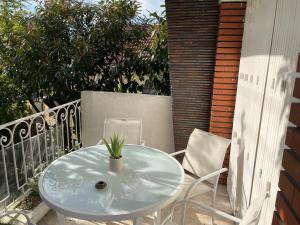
37, 114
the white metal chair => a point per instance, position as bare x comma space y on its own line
251, 216
130, 129
204, 158
16, 213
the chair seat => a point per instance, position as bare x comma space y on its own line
201, 189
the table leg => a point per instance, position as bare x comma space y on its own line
157, 217
61, 219
137, 221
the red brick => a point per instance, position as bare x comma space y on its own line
225, 80
220, 130
228, 50
230, 12
231, 25
225, 86
226, 44
224, 135
231, 5
228, 63
232, 19
223, 103
230, 38
229, 56
222, 108
224, 92
223, 114
293, 139
226, 69
230, 32
224, 97
221, 119
220, 124
226, 74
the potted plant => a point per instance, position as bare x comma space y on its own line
115, 150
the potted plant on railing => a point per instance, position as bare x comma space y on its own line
115, 150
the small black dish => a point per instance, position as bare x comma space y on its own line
100, 185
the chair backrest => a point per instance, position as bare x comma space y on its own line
205, 153
129, 129
252, 215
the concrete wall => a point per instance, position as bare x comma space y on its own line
154, 111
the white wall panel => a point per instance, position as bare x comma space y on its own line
252, 77
281, 74
270, 49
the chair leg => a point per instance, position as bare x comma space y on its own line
214, 198
183, 215
157, 217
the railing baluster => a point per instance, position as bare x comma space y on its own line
30, 141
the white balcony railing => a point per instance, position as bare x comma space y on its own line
29, 144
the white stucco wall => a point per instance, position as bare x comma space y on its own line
154, 111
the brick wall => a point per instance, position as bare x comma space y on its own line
288, 198
192, 32
229, 44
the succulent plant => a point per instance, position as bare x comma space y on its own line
115, 147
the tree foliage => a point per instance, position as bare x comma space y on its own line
65, 47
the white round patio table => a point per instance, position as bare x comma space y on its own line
150, 180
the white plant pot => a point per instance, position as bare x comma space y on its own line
115, 165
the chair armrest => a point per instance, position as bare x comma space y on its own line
178, 152
201, 179
6, 213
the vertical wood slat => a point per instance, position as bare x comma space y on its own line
229, 44
192, 33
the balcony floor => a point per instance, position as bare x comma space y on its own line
194, 216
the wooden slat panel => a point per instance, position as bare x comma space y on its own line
192, 32
297, 88
276, 219
291, 163
286, 214
294, 114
